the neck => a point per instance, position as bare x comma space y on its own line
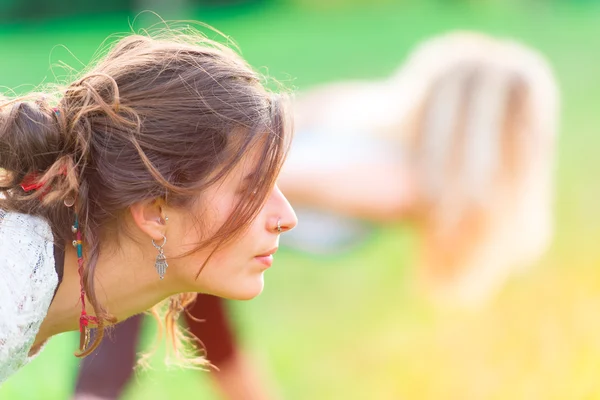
125, 284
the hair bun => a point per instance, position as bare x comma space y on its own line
30, 137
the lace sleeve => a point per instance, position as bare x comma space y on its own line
27, 283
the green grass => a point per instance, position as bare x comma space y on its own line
354, 326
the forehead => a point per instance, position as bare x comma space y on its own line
249, 163
233, 171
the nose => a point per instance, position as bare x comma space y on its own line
284, 218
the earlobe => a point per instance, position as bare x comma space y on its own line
149, 217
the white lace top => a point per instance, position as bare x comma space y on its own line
28, 280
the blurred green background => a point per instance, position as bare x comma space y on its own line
354, 326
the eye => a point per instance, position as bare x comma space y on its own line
245, 190
254, 192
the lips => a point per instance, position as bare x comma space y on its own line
266, 258
268, 253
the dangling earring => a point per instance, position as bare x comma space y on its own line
84, 318
161, 260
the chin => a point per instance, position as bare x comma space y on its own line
246, 290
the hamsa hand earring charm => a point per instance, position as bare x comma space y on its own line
161, 260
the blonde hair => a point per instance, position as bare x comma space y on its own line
482, 135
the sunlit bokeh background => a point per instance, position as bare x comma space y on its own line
354, 325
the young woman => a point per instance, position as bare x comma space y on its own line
459, 141
150, 176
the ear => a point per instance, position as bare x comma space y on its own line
149, 217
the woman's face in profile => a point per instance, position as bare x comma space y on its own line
236, 269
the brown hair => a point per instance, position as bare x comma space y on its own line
161, 116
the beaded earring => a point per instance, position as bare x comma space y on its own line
84, 318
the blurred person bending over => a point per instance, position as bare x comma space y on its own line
459, 142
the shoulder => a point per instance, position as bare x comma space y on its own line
27, 286
26, 247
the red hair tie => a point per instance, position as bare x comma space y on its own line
31, 181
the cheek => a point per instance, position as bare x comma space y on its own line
229, 260
204, 221
213, 210
230, 272
224, 261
